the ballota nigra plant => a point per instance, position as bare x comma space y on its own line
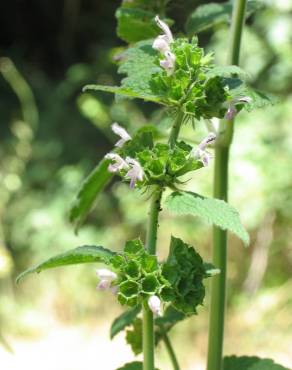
177, 74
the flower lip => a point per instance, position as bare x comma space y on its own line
164, 27
136, 171
119, 162
161, 44
120, 131
169, 62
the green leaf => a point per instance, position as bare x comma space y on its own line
170, 317
212, 210
250, 363
135, 24
189, 291
259, 99
127, 92
124, 320
84, 254
138, 63
88, 192
133, 247
212, 14
226, 71
136, 365
134, 336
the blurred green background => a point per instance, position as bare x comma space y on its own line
52, 135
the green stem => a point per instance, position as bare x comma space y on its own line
176, 128
170, 351
218, 284
151, 238
148, 321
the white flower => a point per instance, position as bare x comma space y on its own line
201, 153
155, 305
166, 30
169, 62
106, 274
135, 173
106, 278
120, 131
161, 44
119, 162
231, 106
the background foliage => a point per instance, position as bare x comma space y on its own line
52, 135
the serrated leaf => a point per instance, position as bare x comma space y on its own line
135, 24
124, 320
250, 363
215, 211
84, 254
212, 14
134, 336
90, 188
139, 64
259, 99
226, 71
127, 92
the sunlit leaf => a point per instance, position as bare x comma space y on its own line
84, 254
90, 188
212, 210
212, 14
135, 24
250, 363
124, 320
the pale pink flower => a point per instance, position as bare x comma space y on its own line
155, 305
168, 62
120, 131
166, 30
136, 171
119, 163
161, 44
106, 278
201, 153
231, 106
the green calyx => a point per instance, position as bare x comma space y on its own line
178, 281
162, 165
192, 86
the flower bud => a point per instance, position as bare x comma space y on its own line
155, 306
106, 274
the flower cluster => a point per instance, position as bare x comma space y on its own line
133, 169
162, 44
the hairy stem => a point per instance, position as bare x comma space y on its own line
218, 284
170, 351
148, 322
151, 238
175, 129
